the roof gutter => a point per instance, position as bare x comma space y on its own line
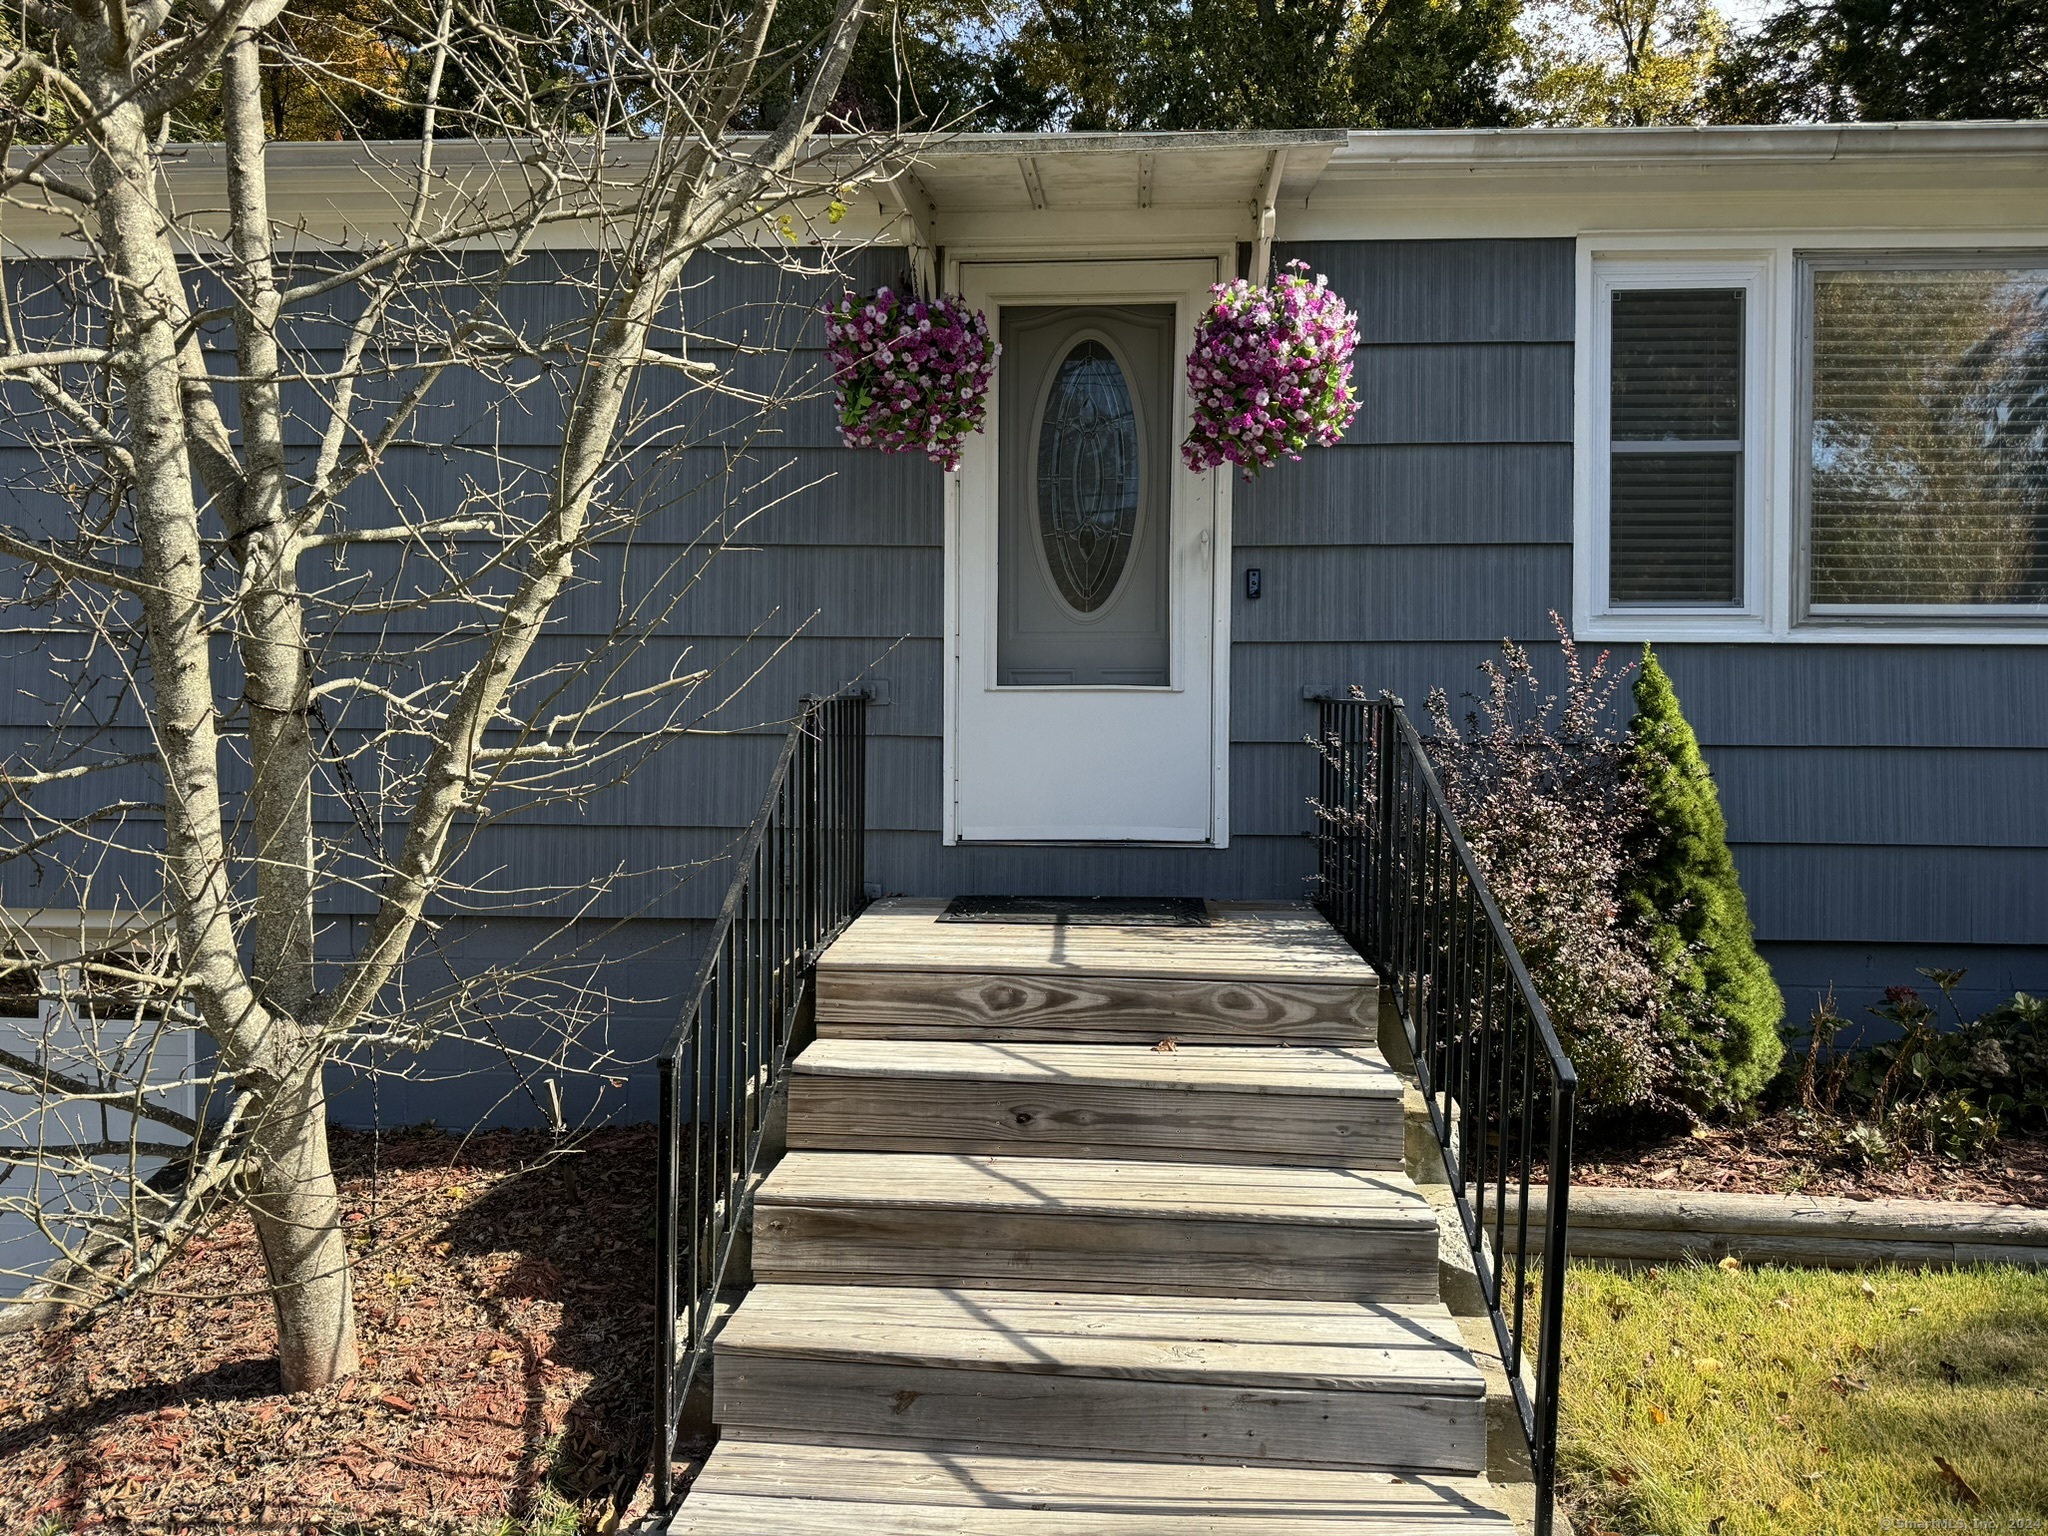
1508, 149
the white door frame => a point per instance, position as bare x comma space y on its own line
1021, 277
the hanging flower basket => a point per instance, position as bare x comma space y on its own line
912, 373
1270, 372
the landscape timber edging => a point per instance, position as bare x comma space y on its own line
1659, 1225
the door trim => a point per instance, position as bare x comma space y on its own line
1035, 278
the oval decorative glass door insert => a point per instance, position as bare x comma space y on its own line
1088, 476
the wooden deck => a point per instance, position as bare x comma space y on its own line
1089, 1230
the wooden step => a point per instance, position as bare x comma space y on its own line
1349, 1385
779, 1488
1187, 1229
1260, 975
1311, 1106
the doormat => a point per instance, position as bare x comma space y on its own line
1080, 911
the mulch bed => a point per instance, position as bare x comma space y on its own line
1782, 1154
504, 1312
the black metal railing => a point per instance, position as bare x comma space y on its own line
799, 880
1396, 878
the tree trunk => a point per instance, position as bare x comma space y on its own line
297, 1210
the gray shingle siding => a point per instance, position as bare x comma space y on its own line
1886, 802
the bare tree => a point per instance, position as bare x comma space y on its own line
240, 609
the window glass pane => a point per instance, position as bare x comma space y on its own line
1929, 467
1674, 528
1088, 476
1677, 365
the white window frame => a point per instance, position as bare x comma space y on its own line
1774, 417
1750, 275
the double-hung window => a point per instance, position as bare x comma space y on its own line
1674, 448
1673, 461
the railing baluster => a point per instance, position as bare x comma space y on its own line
1397, 879
800, 879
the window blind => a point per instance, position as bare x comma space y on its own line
1675, 429
1928, 474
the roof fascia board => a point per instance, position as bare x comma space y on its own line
1368, 153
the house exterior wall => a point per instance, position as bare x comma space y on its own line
1885, 801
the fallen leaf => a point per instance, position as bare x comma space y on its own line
1869, 1291
1706, 1365
1658, 1415
1957, 1485
1731, 1263
1168, 1044
1664, 1176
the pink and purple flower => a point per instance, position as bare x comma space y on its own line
1270, 372
912, 374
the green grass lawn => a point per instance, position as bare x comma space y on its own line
1704, 1401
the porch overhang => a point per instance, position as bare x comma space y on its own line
1074, 188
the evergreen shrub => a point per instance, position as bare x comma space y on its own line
1682, 891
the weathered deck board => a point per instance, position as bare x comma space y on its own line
1310, 1107
718, 1514
1357, 1073
1318, 1425
1082, 1007
1284, 1345
1246, 942
1331, 1197
1173, 1229
1121, 1487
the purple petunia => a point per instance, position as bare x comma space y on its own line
912, 374
1270, 372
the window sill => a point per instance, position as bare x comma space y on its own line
1747, 629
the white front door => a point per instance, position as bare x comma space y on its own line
1087, 590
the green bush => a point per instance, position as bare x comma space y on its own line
1953, 1090
1684, 893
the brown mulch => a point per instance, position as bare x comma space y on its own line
504, 1311
1783, 1154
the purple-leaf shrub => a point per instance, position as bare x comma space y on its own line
1538, 785
912, 373
1270, 372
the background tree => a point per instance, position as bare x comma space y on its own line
1683, 891
931, 64
1887, 61
1618, 63
1223, 64
246, 600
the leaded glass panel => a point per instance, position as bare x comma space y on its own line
1088, 476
